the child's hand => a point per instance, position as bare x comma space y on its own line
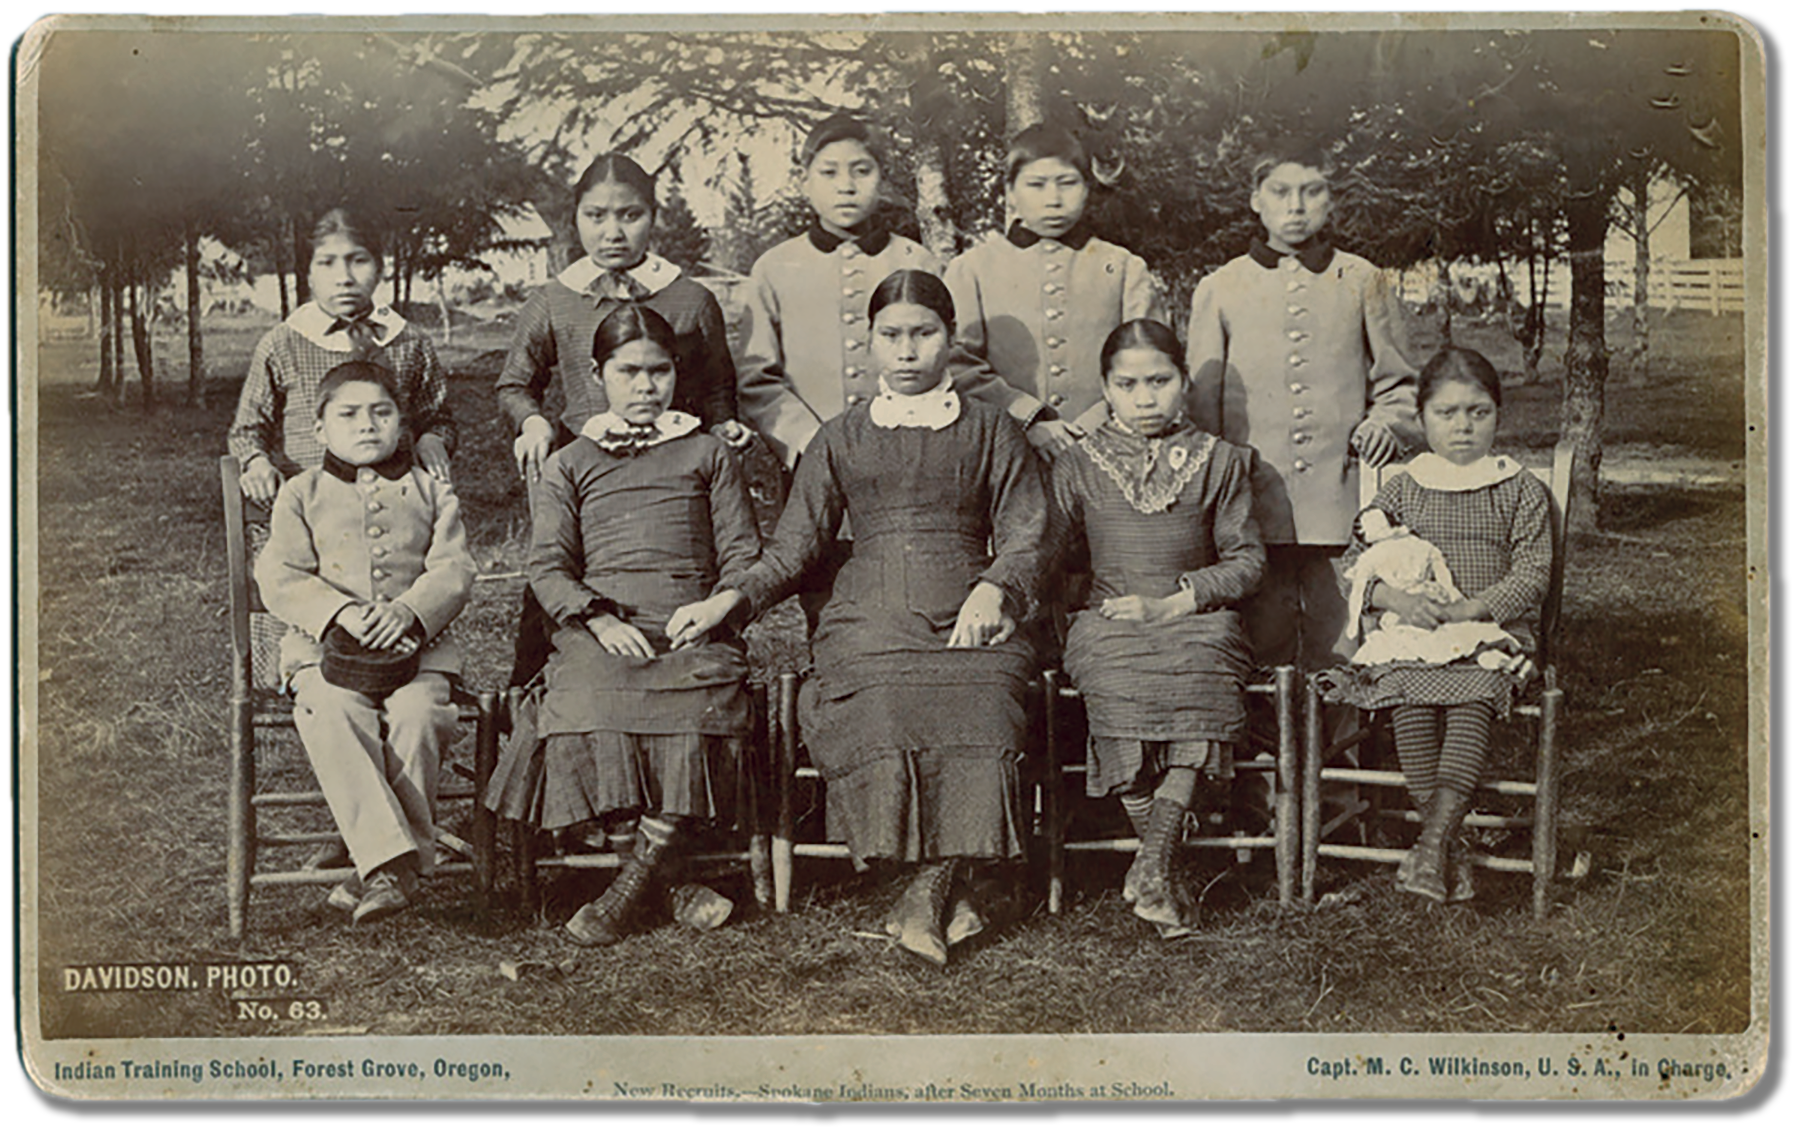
1053, 437
980, 622
434, 456
1375, 443
533, 446
1147, 610
260, 481
1466, 610
620, 638
388, 623
691, 623
1414, 609
734, 434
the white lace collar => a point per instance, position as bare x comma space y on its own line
933, 410
315, 323
653, 274
613, 433
1435, 472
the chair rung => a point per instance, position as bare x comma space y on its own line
1214, 842
827, 849
1527, 711
1394, 857
1481, 821
284, 717
614, 861
288, 798
333, 876
1394, 778
287, 839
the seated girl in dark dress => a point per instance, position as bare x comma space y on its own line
1155, 646
916, 713
638, 516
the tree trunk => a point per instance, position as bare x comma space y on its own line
1539, 271
1028, 58
118, 368
137, 296
559, 216
1444, 287
932, 201
196, 352
1640, 361
278, 251
444, 310
303, 258
1586, 359
106, 377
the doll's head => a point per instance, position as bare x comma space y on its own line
1375, 525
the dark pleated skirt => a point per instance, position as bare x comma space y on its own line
1116, 765
1181, 680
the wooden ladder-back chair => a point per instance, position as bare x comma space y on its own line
790, 773
1275, 763
1320, 769
751, 810
259, 707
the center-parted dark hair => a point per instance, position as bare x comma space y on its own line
1152, 334
840, 127
1300, 151
618, 169
341, 222
915, 286
630, 322
1046, 141
1458, 365
356, 371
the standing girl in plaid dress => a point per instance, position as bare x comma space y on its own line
1492, 521
272, 435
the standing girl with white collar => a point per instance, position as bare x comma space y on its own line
272, 436
616, 209
1492, 520
641, 514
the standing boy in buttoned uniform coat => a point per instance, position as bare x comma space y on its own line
371, 543
1297, 352
1035, 304
807, 354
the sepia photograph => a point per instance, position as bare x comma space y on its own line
940, 558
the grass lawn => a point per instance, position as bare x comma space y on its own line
133, 762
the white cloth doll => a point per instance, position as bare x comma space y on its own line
1403, 560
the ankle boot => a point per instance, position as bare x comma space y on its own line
602, 922
918, 920
1423, 869
1150, 885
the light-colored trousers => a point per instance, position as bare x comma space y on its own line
377, 762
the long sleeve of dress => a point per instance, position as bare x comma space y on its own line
716, 377
971, 373
558, 561
1237, 542
256, 428
1065, 530
1522, 589
809, 523
531, 361
1017, 507
764, 395
736, 544
433, 410
438, 594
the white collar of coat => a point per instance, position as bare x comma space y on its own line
933, 410
1434, 472
671, 424
312, 321
653, 273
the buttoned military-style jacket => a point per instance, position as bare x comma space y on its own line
1289, 354
807, 354
1031, 319
341, 535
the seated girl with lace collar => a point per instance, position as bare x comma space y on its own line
1156, 647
